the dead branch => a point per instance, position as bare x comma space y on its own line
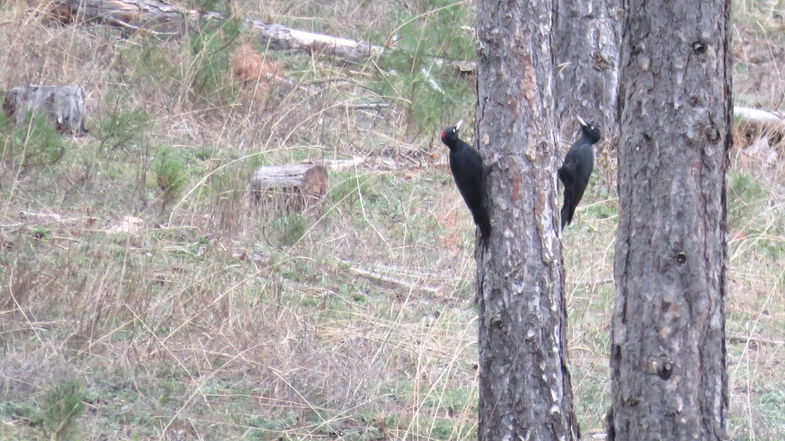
745, 339
390, 280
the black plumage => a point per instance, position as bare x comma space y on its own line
576, 170
470, 176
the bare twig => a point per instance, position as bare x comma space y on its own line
390, 279
745, 339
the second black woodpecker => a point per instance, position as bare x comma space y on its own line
577, 168
470, 176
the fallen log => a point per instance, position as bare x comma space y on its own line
278, 37
149, 15
158, 17
754, 340
339, 164
759, 118
385, 276
163, 18
63, 106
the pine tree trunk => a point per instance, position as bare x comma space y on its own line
586, 38
669, 379
525, 390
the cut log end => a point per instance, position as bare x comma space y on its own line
293, 187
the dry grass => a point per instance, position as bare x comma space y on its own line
208, 318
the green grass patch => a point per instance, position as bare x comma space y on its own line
62, 406
33, 143
414, 73
745, 197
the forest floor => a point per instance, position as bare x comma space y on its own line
138, 278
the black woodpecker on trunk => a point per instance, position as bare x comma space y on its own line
576, 170
470, 175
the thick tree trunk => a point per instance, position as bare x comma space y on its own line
586, 51
669, 378
525, 390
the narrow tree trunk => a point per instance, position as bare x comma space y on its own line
525, 391
669, 378
586, 39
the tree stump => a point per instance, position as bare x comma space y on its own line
63, 106
292, 187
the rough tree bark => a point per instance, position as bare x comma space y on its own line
525, 390
669, 379
586, 38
